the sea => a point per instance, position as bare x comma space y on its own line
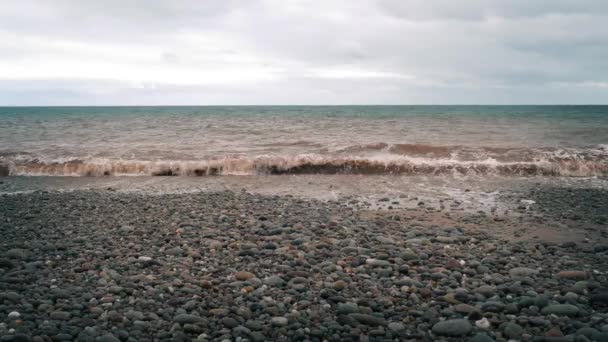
528, 141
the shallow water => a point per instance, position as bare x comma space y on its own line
253, 140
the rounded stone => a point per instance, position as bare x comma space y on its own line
561, 310
520, 272
243, 275
481, 337
513, 330
230, 322
279, 321
482, 323
377, 262
368, 319
396, 327
573, 275
275, 281
452, 327
187, 319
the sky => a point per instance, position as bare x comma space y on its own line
192, 52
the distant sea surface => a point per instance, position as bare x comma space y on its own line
267, 140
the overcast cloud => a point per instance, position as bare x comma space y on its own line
80, 52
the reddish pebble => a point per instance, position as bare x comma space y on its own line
574, 275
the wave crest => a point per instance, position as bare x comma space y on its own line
310, 164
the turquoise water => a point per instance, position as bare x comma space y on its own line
184, 140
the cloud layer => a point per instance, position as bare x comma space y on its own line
72, 52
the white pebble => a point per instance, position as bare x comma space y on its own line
482, 323
14, 315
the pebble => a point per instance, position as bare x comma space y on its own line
377, 263
483, 323
396, 327
481, 337
368, 319
275, 281
107, 338
279, 321
230, 322
187, 319
347, 308
452, 327
513, 330
520, 272
573, 275
60, 315
13, 315
243, 275
561, 310
445, 239
339, 285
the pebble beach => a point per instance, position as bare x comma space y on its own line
107, 265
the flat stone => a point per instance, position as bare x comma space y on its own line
134, 315
187, 319
486, 290
254, 325
243, 275
347, 308
561, 310
445, 239
521, 272
385, 240
60, 315
175, 251
377, 262
107, 338
573, 275
299, 274
481, 337
452, 327
492, 306
465, 308
368, 319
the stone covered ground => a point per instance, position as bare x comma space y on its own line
232, 266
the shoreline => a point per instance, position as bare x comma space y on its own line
111, 265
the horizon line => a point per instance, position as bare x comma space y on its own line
305, 105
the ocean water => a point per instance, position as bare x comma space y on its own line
269, 140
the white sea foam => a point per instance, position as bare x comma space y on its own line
558, 163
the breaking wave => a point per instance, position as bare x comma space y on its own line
380, 158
